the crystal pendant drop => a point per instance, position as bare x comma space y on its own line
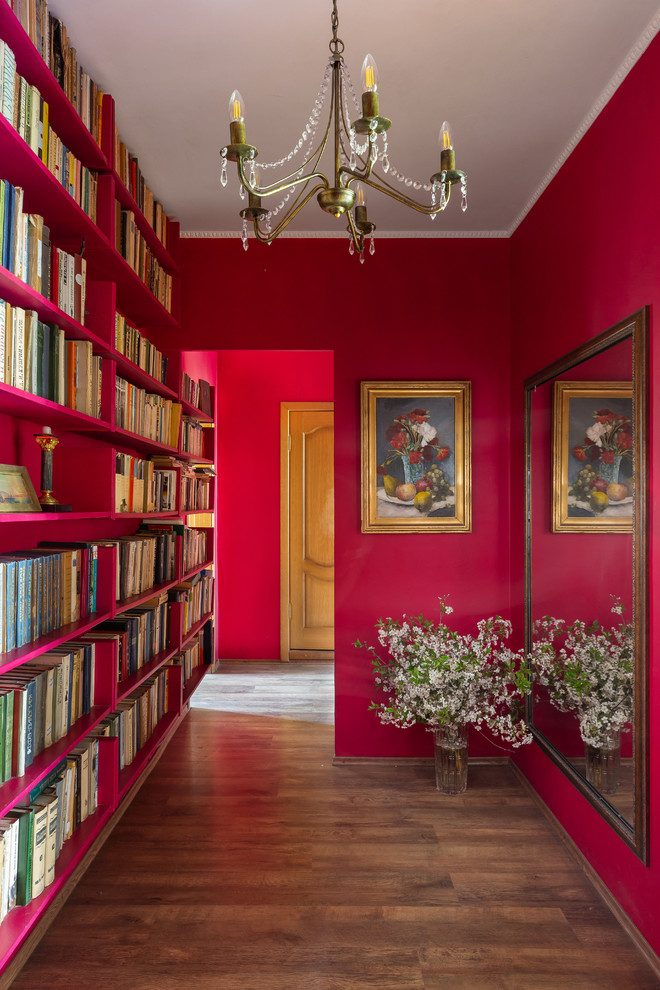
386, 163
372, 245
351, 247
362, 256
241, 191
464, 194
244, 235
223, 173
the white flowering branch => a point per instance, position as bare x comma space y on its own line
587, 670
436, 676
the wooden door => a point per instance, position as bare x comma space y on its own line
308, 569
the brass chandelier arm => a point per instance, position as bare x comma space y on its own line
281, 187
384, 187
266, 238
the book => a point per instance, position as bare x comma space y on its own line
25, 820
39, 844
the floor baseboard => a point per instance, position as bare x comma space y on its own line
601, 888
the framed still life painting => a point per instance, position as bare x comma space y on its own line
416, 457
593, 457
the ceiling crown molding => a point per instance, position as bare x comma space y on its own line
631, 58
337, 235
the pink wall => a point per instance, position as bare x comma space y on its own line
586, 257
252, 386
420, 310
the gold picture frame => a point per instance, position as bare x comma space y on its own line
593, 457
17, 493
416, 434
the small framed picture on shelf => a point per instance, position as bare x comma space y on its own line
416, 457
593, 474
17, 493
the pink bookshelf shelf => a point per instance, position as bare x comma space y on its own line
17, 402
132, 373
31, 651
145, 596
195, 570
183, 455
193, 682
44, 195
133, 296
191, 410
37, 517
155, 244
129, 684
16, 292
17, 789
19, 923
135, 442
195, 628
131, 773
64, 120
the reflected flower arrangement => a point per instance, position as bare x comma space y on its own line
587, 670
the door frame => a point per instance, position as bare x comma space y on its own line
285, 409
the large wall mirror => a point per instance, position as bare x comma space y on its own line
586, 589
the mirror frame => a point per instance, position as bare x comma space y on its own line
634, 834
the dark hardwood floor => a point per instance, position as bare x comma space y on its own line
248, 860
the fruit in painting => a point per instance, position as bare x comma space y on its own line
598, 501
598, 485
406, 492
423, 501
617, 492
424, 484
390, 485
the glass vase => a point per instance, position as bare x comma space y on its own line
412, 472
451, 758
603, 763
609, 470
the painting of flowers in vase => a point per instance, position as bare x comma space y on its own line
415, 456
593, 462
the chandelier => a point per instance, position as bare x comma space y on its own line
359, 148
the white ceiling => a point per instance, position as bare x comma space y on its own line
519, 81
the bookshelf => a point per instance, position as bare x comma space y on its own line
131, 707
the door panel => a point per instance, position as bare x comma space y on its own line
311, 532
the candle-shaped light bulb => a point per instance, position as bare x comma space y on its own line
236, 107
445, 136
359, 195
237, 118
447, 157
369, 75
369, 88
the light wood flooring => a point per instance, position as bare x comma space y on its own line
248, 860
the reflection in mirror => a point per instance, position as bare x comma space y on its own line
585, 577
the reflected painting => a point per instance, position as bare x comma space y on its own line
593, 457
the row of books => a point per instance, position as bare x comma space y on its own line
134, 721
32, 835
195, 492
134, 249
144, 560
197, 393
128, 169
25, 109
40, 702
140, 634
147, 414
26, 251
135, 346
38, 358
49, 36
142, 487
44, 589
196, 596
192, 436
191, 657
195, 549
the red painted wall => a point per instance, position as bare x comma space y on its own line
586, 257
252, 386
416, 310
